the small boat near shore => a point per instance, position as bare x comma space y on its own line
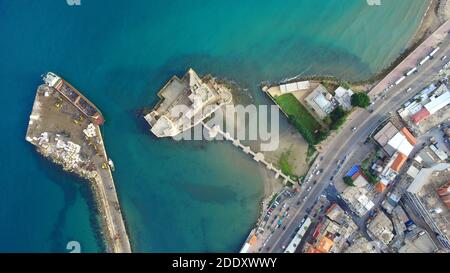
111, 164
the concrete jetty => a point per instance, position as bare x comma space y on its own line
257, 156
68, 137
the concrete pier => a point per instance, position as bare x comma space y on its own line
66, 136
257, 156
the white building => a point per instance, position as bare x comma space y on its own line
438, 102
90, 130
401, 144
294, 87
343, 97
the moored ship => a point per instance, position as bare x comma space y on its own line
75, 97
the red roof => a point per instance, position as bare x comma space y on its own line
444, 190
399, 162
99, 120
411, 139
356, 175
380, 187
325, 245
419, 116
446, 200
317, 231
311, 249
253, 240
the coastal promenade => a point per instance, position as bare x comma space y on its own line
67, 137
412, 60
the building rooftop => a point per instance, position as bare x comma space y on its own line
194, 97
380, 187
386, 134
325, 245
400, 143
399, 162
419, 243
381, 228
359, 181
437, 102
343, 97
362, 245
358, 200
424, 175
333, 232
411, 139
295, 86
320, 101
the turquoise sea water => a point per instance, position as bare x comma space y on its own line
176, 196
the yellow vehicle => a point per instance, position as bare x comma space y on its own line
79, 120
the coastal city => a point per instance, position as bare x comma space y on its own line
312, 128
381, 184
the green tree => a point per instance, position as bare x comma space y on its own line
360, 100
372, 178
348, 180
338, 117
345, 84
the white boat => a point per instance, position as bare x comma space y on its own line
111, 164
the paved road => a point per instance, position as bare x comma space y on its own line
413, 59
347, 141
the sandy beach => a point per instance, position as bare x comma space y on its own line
431, 20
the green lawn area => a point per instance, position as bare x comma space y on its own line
285, 166
300, 118
294, 108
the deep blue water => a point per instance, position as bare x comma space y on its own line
176, 196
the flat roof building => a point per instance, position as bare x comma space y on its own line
344, 97
357, 200
294, 87
325, 245
437, 102
381, 228
425, 196
320, 101
430, 105
401, 144
333, 231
